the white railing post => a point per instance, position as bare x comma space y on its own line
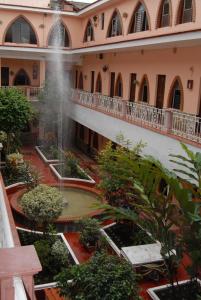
168, 120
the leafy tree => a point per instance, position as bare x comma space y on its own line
104, 277
118, 170
188, 169
42, 205
15, 112
155, 211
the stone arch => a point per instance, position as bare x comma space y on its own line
67, 38
144, 93
179, 14
132, 20
119, 31
160, 11
89, 32
21, 78
119, 86
81, 82
176, 101
33, 33
99, 83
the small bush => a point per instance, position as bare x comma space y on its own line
103, 277
90, 232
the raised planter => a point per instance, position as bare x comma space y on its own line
44, 158
158, 293
88, 181
70, 251
138, 255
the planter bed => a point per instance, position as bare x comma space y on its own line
139, 249
186, 290
45, 277
82, 177
46, 157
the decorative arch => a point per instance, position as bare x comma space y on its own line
186, 11
89, 32
115, 27
20, 31
80, 82
99, 83
140, 20
164, 15
65, 35
144, 94
176, 94
21, 78
119, 86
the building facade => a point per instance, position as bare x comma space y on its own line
135, 66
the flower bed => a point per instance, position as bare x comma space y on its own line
185, 290
49, 155
48, 248
81, 176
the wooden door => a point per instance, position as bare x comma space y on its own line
4, 76
92, 81
112, 84
133, 77
160, 91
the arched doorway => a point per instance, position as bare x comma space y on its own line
21, 78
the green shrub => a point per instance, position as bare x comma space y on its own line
104, 277
43, 204
90, 232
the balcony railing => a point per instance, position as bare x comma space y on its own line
32, 93
171, 121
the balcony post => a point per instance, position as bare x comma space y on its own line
124, 109
168, 120
42, 72
7, 289
27, 91
95, 100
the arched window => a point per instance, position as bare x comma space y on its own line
21, 78
164, 14
144, 90
176, 100
20, 32
185, 11
99, 84
139, 21
115, 27
89, 32
119, 86
59, 36
80, 83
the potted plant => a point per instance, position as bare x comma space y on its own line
90, 233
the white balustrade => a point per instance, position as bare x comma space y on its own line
146, 114
187, 126
180, 124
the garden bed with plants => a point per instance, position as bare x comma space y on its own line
70, 171
49, 154
185, 290
125, 234
54, 252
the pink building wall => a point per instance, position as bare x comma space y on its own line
185, 63
77, 24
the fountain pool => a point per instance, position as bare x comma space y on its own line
79, 202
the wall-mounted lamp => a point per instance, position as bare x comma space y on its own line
190, 84
105, 68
